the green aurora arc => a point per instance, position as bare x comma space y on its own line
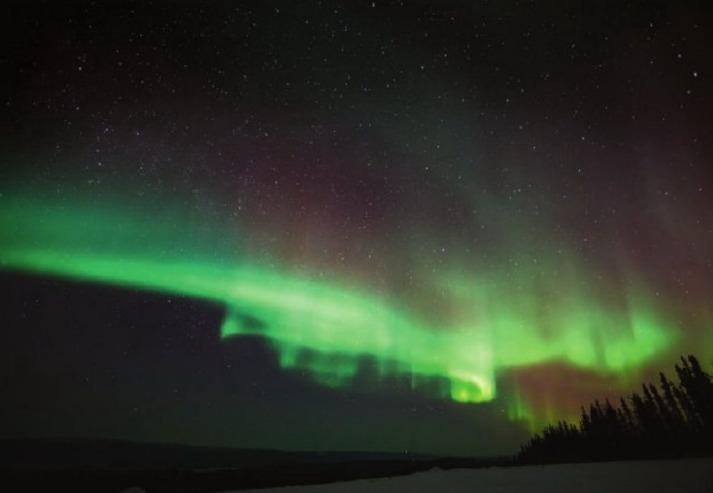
326, 326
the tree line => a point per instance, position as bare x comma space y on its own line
672, 420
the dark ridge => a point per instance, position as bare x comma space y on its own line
87, 465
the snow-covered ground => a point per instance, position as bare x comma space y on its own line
689, 476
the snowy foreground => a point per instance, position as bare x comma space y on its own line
690, 476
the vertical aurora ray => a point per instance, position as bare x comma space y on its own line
326, 326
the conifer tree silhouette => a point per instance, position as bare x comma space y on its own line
672, 420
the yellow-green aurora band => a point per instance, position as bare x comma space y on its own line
325, 326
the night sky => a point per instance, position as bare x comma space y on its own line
385, 226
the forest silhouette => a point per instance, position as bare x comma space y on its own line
672, 420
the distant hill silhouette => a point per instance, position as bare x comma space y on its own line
119, 454
111, 466
672, 420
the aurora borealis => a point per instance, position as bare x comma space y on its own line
490, 330
464, 214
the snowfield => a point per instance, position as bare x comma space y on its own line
689, 476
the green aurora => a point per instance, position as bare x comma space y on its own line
326, 326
